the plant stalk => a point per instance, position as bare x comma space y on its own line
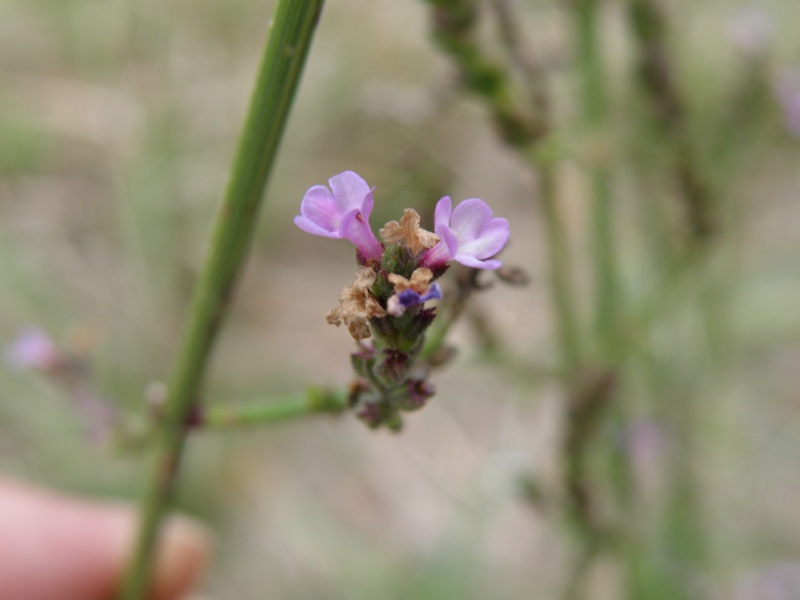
281, 66
657, 79
559, 266
595, 117
313, 401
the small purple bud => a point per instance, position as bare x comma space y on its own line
400, 302
419, 391
394, 366
371, 414
376, 414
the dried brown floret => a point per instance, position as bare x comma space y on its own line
357, 305
409, 232
419, 282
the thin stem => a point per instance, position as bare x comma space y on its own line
559, 266
539, 154
595, 116
435, 336
525, 128
657, 79
282, 63
314, 401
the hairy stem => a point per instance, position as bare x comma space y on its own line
282, 63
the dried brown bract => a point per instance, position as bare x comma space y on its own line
357, 306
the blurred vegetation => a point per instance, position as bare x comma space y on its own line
117, 126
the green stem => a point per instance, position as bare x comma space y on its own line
527, 129
559, 266
595, 115
434, 338
657, 79
314, 401
281, 66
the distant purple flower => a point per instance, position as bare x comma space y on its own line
645, 441
341, 212
468, 234
787, 92
776, 581
33, 349
751, 28
99, 415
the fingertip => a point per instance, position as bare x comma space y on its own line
184, 553
59, 546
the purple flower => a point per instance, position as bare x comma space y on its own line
468, 234
750, 29
787, 92
33, 349
401, 301
341, 212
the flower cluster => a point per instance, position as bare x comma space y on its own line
396, 277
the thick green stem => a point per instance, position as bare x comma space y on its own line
289, 40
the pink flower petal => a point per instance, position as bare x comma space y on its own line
441, 217
471, 261
491, 240
469, 218
318, 213
355, 227
310, 227
349, 191
469, 234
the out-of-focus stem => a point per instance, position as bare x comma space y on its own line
658, 82
526, 129
594, 104
454, 30
282, 63
559, 269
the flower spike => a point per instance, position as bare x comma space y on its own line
385, 307
341, 212
469, 234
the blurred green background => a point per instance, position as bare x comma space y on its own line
117, 126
